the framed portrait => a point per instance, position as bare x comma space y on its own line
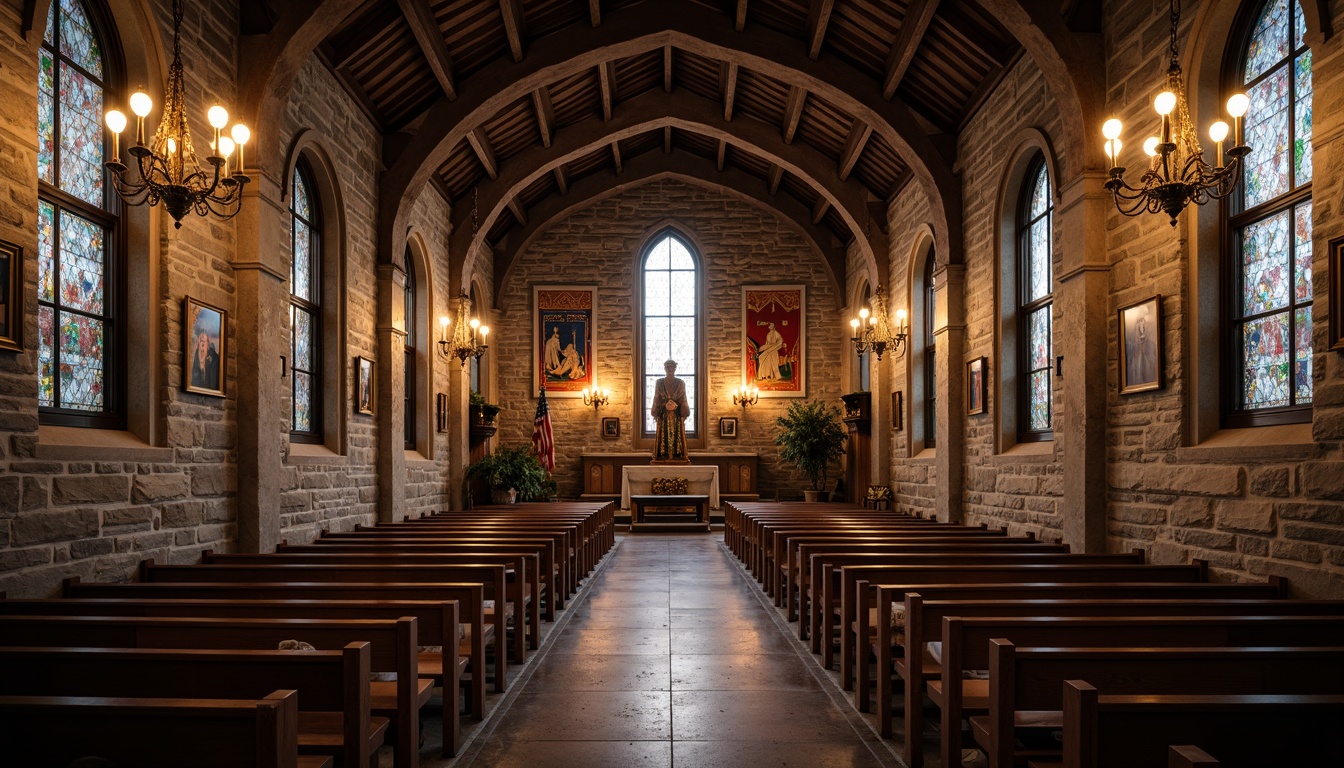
441, 412
774, 339
364, 386
11, 297
898, 410
611, 427
728, 427
205, 332
1141, 346
977, 385
1336, 264
564, 331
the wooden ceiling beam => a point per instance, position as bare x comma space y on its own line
740, 22
595, 12
918, 16
728, 87
818, 18
519, 213
606, 79
819, 209
667, 140
541, 103
512, 11
722, 154
616, 156
667, 69
484, 152
561, 179
859, 133
793, 112
430, 39
775, 177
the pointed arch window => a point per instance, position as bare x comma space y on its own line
474, 363
1269, 345
411, 358
80, 289
930, 353
671, 323
305, 310
1035, 284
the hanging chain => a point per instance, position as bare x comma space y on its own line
475, 214
1175, 23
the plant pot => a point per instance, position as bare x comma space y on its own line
483, 415
812, 496
503, 496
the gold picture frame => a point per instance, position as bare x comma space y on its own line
1140, 340
364, 386
11, 297
205, 338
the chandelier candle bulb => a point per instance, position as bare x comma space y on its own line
443, 328
901, 322
241, 135
141, 104
1218, 132
116, 122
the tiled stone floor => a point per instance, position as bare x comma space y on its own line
673, 659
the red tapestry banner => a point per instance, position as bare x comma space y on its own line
774, 339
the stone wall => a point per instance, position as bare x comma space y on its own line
742, 245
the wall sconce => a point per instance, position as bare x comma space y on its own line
468, 339
596, 396
872, 333
746, 396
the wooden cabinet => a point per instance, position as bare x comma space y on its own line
737, 472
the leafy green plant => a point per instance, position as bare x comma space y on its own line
811, 438
513, 467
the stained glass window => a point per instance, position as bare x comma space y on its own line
930, 356
1271, 378
1035, 262
305, 311
409, 308
78, 280
671, 329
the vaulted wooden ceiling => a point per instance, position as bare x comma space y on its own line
939, 57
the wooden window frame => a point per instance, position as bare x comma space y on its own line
1026, 306
312, 307
930, 353
695, 435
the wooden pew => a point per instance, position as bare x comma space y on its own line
966, 644
334, 601
393, 646
1189, 756
52, 732
1105, 731
332, 686
1025, 684
492, 577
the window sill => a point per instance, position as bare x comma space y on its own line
925, 456
417, 460
1286, 442
311, 454
78, 444
1025, 453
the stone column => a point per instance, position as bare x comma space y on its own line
1083, 311
949, 331
261, 331
459, 433
390, 394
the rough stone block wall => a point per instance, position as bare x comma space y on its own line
600, 244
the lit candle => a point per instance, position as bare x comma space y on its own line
116, 122
1218, 132
443, 327
241, 135
141, 104
1164, 104
900, 322
1236, 107
218, 117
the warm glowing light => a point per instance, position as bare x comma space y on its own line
1218, 131
240, 134
1164, 103
172, 146
854, 323
485, 330
218, 117
475, 323
1238, 104
863, 313
443, 321
1150, 146
900, 316
226, 147
116, 121
141, 104
1111, 129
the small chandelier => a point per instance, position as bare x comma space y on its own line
746, 396
468, 339
871, 332
1177, 173
596, 396
167, 169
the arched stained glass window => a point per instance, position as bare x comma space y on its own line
866, 359
474, 363
1035, 284
1270, 360
930, 354
411, 311
305, 310
671, 323
79, 288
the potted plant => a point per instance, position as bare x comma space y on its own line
513, 473
811, 438
482, 413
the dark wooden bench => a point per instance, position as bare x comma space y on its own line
52, 732
1025, 684
1189, 756
333, 686
639, 504
393, 646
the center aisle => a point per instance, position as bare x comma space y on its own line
674, 660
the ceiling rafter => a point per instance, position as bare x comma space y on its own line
728, 87
667, 69
916, 22
819, 209
859, 133
541, 104
595, 12
667, 140
793, 112
616, 156
430, 39
775, 177
722, 154
740, 20
561, 179
484, 152
519, 212
514, 29
606, 78
818, 18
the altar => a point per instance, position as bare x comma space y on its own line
701, 480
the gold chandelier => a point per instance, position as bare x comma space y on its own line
167, 171
468, 339
1177, 173
873, 333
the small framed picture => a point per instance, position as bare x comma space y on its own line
977, 385
1141, 346
611, 427
898, 410
441, 414
364, 386
205, 331
1336, 256
728, 427
11, 297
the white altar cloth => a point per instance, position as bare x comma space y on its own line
701, 480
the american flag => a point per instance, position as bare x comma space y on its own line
543, 442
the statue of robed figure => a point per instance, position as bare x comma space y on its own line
669, 411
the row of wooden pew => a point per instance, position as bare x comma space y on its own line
185, 667
1043, 657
